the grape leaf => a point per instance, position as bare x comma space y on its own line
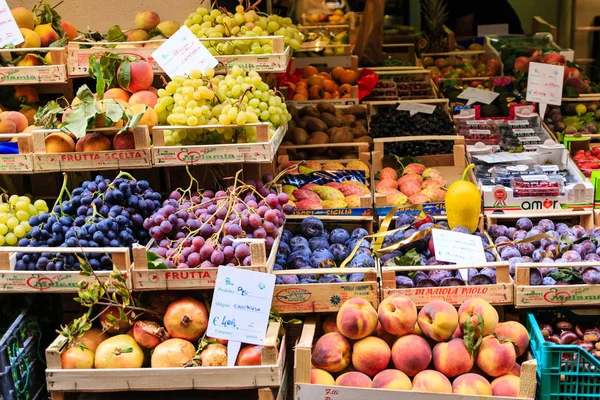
83, 115
152, 263
47, 116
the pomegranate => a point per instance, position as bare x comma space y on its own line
222, 341
214, 355
149, 334
186, 318
249, 355
119, 351
172, 353
92, 338
76, 357
116, 327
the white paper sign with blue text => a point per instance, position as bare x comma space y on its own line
182, 53
241, 305
458, 248
9, 30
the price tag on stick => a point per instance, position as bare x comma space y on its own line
474, 95
458, 248
9, 30
240, 307
545, 85
182, 53
414, 108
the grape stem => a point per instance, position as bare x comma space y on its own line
125, 174
248, 89
63, 189
252, 6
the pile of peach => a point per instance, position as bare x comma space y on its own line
399, 349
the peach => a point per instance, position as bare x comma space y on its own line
29, 113
59, 142
397, 315
354, 379
30, 60
382, 334
417, 330
452, 358
411, 354
472, 384
70, 30
438, 320
392, 379
321, 377
117, 94
97, 142
457, 333
147, 20
371, 355
7, 125
168, 28
30, 39
332, 352
143, 97
136, 35
19, 119
496, 357
81, 142
26, 94
356, 318
150, 118
431, 381
506, 386
47, 34
515, 370
124, 141
329, 324
152, 89
474, 309
141, 76
23, 17
515, 332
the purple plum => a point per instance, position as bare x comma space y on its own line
592, 257
452, 282
526, 249
339, 251
298, 241
538, 255
311, 227
548, 281
535, 276
322, 258
490, 272
419, 275
545, 225
547, 260
339, 235
356, 277
404, 282
480, 279
519, 235
289, 279
318, 243
571, 256
426, 282
579, 231
496, 231
461, 229
511, 231
524, 223
561, 228
438, 275
588, 247
359, 233
489, 256
591, 275
509, 253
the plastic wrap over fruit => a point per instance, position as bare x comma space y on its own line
323, 177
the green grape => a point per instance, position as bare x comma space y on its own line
4, 207
11, 239
22, 215
3, 229
19, 231
12, 222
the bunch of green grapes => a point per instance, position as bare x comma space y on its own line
205, 23
238, 98
14, 218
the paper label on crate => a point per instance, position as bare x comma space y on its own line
477, 122
480, 132
182, 53
534, 178
478, 95
549, 168
518, 123
545, 84
9, 30
530, 147
241, 305
526, 139
414, 108
502, 157
524, 130
458, 248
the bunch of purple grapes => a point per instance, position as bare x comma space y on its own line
208, 229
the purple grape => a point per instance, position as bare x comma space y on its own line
242, 251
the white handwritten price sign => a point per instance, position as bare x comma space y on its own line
241, 305
474, 95
458, 248
545, 84
182, 53
414, 108
9, 30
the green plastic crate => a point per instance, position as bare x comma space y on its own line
564, 371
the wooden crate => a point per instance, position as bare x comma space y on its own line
39, 74
304, 390
583, 218
18, 163
261, 377
451, 166
193, 278
263, 151
394, 92
488, 52
403, 51
54, 281
347, 101
325, 297
530, 296
287, 153
140, 157
373, 106
500, 293
325, 63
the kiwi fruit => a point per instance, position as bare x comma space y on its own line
358, 131
367, 139
309, 111
301, 124
293, 111
330, 120
326, 107
341, 135
298, 136
314, 124
356, 110
318, 137
349, 119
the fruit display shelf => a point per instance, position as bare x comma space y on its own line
25, 281
449, 166
374, 106
303, 298
144, 278
262, 151
21, 162
138, 157
397, 85
305, 390
346, 101
38, 74
264, 378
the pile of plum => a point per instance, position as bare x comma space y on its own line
315, 247
422, 252
565, 244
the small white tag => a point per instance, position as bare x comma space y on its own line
534, 178
524, 130
480, 132
414, 108
478, 95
